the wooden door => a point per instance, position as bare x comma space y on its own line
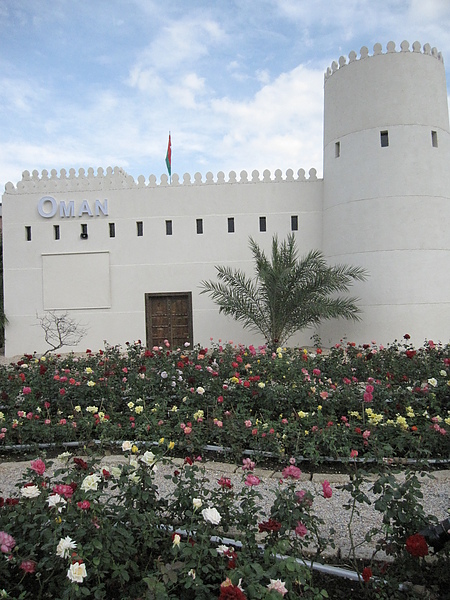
168, 317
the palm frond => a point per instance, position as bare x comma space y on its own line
287, 294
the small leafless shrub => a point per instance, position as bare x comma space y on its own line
60, 330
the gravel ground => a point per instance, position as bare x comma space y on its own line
436, 495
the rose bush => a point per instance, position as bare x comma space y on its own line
107, 533
377, 401
118, 537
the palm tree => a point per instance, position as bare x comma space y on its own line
288, 294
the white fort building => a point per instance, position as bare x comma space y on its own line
125, 258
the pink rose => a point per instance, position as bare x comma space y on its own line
301, 529
26, 390
327, 491
7, 542
38, 466
278, 585
353, 453
29, 566
63, 490
252, 480
304, 497
292, 472
247, 464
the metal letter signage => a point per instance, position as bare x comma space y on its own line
45, 200
48, 207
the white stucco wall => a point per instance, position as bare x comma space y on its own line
388, 208
102, 281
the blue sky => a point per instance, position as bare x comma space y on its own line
239, 83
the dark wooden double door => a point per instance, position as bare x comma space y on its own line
168, 317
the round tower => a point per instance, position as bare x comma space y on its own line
387, 191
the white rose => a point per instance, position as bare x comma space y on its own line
116, 471
56, 501
196, 503
30, 491
134, 478
148, 458
433, 382
77, 572
64, 456
200, 391
90, 483
65, 546
211, 515
126, 446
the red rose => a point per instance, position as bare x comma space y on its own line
416, 545
367, 574
80, 463
225, 482
230, 591
270, 525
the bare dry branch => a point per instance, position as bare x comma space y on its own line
60, 330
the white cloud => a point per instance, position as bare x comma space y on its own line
184, 93
431, 10
279, 124
20, 95
181, 43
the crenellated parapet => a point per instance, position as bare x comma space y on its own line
117, 178
377, 50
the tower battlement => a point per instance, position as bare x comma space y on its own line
377, 50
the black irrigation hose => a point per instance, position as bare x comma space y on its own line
222, 450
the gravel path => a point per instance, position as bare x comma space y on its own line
436, 498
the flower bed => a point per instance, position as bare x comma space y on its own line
87, 531
378, 402
107, 533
